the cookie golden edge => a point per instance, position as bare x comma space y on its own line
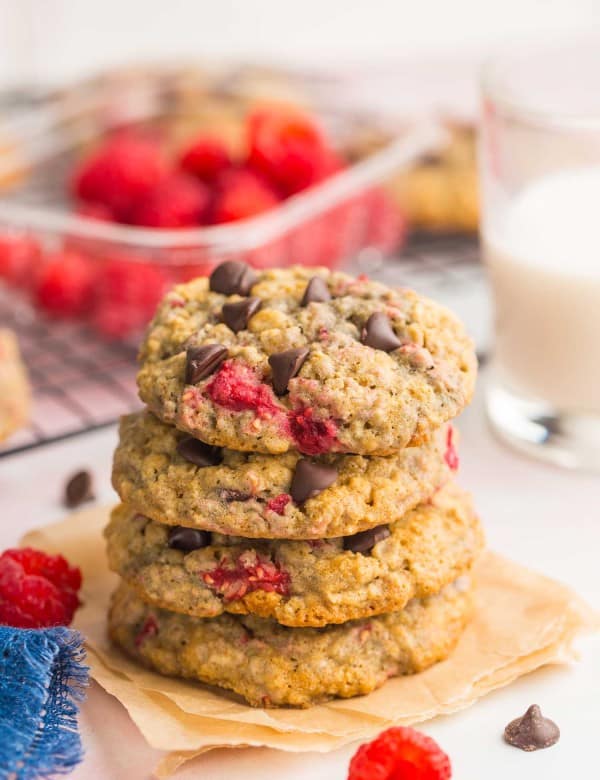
306, 583
269, 665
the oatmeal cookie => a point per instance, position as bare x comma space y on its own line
178, 480
271, 665
304, 359
297, 583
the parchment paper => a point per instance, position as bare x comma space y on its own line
523, 621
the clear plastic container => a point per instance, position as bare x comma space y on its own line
328, 224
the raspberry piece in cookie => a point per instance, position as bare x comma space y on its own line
278, 503
400, 754
247, 574
37, 589
236, 387
312, 436
451, 455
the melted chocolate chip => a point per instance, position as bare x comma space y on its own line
364, 541
228, 495
532, 731
203, 361
310, 479
236, 315
316, 292
188, 539
78, 489
378, 333
232, 277
199, 453
285, 366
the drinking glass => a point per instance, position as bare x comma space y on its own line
540, 177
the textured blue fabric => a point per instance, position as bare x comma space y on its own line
42, 680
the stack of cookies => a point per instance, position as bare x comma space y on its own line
289, 528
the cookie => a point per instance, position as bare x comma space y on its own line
271, 665
304, 359
297, 583
175, 479
439, 191
14, 387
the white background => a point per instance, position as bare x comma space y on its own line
53, 39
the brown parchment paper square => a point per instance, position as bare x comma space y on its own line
523, 620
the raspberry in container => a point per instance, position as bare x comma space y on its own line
114, 189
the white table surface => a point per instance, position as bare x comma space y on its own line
538, 515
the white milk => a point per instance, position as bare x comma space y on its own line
544, 264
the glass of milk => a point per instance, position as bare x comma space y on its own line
540, 176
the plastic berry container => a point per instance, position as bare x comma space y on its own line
111, 275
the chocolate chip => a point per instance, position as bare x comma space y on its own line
364, 541
532, 731
310, 479
78, 489
202, 361
378, 333
285, 366
316, 291
188, 539
228, 495
232, 277
236, 315
199, 453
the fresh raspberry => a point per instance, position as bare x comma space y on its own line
400, 753
19, 256
312, 436
65, 285
37, 589
127, 293
206, 157
235, 386
148, 629
278, 503
175, 202
241, 194
451, 455
288, 148
120, 172
249, 573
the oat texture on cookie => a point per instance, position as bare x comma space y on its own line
288, 503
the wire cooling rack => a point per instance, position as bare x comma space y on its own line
81, 383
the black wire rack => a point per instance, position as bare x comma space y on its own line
81, 383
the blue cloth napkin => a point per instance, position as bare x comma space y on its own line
42, 681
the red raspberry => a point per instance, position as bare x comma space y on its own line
312, 436
37, 589
278, 503
19, 254
235, 386
148, 629
176, 202
127, 294
65, 284
451, 455
249, 573
400, 753
241, 195
206, 157
123, 170
288, 148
